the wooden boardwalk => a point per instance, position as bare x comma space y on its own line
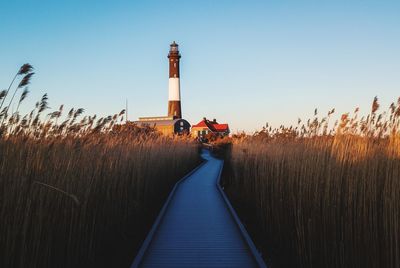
197, 227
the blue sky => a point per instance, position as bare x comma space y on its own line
243, 62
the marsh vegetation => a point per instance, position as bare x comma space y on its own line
80, 191
319, 196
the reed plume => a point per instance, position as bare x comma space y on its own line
23, 70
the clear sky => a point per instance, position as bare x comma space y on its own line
243, 62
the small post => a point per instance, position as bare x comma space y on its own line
126, 111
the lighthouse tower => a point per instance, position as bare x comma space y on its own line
174, 92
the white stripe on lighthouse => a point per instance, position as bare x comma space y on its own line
174, 93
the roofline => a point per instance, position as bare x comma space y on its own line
156, 118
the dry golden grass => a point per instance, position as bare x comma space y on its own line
314, 197
81, 192
85, 201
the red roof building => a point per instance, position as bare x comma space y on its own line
206, 126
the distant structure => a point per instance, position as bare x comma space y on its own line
206, 127
165, 124
173, 122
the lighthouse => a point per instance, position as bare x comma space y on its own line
174, 91
173, 123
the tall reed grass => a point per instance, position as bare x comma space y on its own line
81, 192
312, 196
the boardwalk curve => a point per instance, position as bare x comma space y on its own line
197, 227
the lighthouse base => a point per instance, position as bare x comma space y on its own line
174, 109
